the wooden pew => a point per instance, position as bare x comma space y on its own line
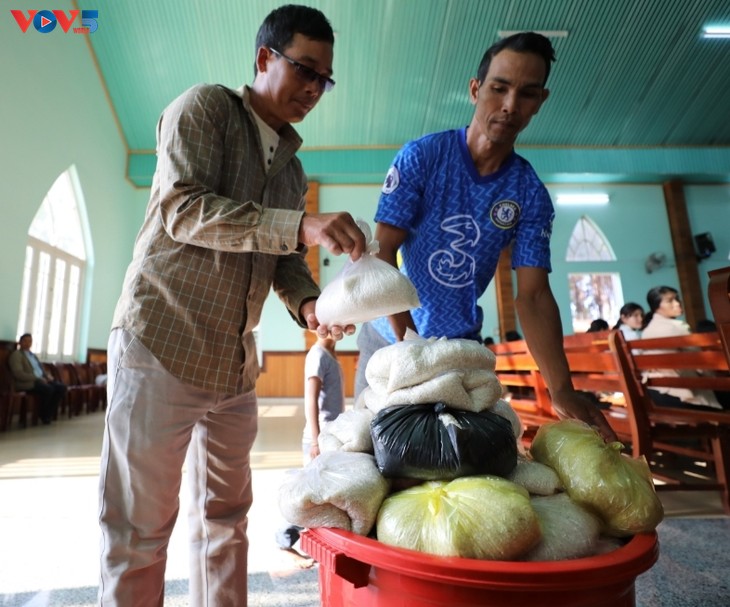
13, 401
81, 393
718, 292
593, 369
674, 440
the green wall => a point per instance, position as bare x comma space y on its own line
635, 223
54, 115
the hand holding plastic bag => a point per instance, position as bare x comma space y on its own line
365, 289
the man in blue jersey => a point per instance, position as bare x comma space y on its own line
452, 201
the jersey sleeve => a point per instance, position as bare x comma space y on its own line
403, 188
532, 240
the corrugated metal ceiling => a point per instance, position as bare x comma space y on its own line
631, 73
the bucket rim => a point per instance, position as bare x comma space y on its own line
625, 563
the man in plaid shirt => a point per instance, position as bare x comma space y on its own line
225, 223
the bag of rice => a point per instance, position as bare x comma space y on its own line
481, 517
598, 476
436, 442
350, 431
341, 489
365, 289
537, 478
569, 531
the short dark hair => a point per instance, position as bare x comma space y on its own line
598, 325
280, 25
23, 336
522, 42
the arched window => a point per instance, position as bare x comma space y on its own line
587, 243
56, 263
593, 295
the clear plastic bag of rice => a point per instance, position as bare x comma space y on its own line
365, 289
569, 531
598, 476
480, 517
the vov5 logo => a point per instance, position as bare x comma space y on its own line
45, 21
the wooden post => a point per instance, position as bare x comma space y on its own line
312, 206
505, 294
684, 253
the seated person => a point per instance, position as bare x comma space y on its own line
631, 319
597, 326
662, 320
29, 376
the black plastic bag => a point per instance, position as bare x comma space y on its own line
436, 442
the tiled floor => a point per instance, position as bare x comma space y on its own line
48, 510
48, 513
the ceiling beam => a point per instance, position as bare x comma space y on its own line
554, 165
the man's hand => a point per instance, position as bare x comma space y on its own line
335, 331
336, 232
572, 404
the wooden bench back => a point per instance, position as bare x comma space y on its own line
593, 369
699, 351
675, 440
718, 292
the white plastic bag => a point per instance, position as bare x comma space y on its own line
365, 289
569, 531
341, 489
349, 432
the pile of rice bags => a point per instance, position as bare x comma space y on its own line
433, 412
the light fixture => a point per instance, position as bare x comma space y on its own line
582, 199
546, 33
716, 31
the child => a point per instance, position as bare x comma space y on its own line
324, 400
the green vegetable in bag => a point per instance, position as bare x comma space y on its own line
481, 517
598, 476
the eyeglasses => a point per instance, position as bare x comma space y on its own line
306, 73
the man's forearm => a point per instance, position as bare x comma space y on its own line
540, 322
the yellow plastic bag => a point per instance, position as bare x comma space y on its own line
598, 476
481, 517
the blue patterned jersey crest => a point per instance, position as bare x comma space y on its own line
458, 222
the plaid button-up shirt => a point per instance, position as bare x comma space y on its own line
219, 232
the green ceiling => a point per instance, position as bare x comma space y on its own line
636, 94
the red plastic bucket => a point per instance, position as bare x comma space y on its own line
356, 571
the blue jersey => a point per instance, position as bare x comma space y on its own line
457, 224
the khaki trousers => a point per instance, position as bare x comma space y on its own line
153, 422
